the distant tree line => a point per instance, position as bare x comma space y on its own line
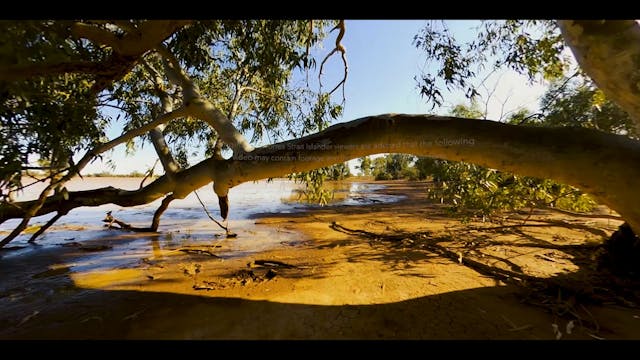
134, 173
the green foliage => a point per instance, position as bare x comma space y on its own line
581, 103
339, 171
426, 166
531, 47
48, 116
314, 190
394, 167
245, 68
131, 174
136, 174
320, 117
410, 173
479, 191
102, 174
470, 112
474, 190
365, 166
379, 168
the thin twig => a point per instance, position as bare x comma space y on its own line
339, 47
209, 214
306, 59
149, 173
44, 228
528, 215
555, 96
595, 322
44, 179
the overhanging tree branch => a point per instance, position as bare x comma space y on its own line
134, 42
180, 112
97, 35
129, 48
588, 159
609, 52
176, 75
33, 208
157, 137
28, 213
201, 108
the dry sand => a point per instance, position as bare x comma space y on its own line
378, 271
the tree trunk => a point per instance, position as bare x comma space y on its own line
609, 52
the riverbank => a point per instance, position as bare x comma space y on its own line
403, 270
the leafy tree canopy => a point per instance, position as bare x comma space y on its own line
530, 47
57, 81
217, 85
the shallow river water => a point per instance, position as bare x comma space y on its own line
183, 224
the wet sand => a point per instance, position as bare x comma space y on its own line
405, 270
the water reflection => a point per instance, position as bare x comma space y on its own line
184, 224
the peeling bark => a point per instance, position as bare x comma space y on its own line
604, 165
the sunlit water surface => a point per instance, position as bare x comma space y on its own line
184, 224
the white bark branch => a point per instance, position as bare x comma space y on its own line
606, 166
201, 108
96, 35
33, 208
169, 164
135, 42
205, 111
176, 75
180, 112
157, 137
609, 52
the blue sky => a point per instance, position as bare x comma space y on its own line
382, 65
